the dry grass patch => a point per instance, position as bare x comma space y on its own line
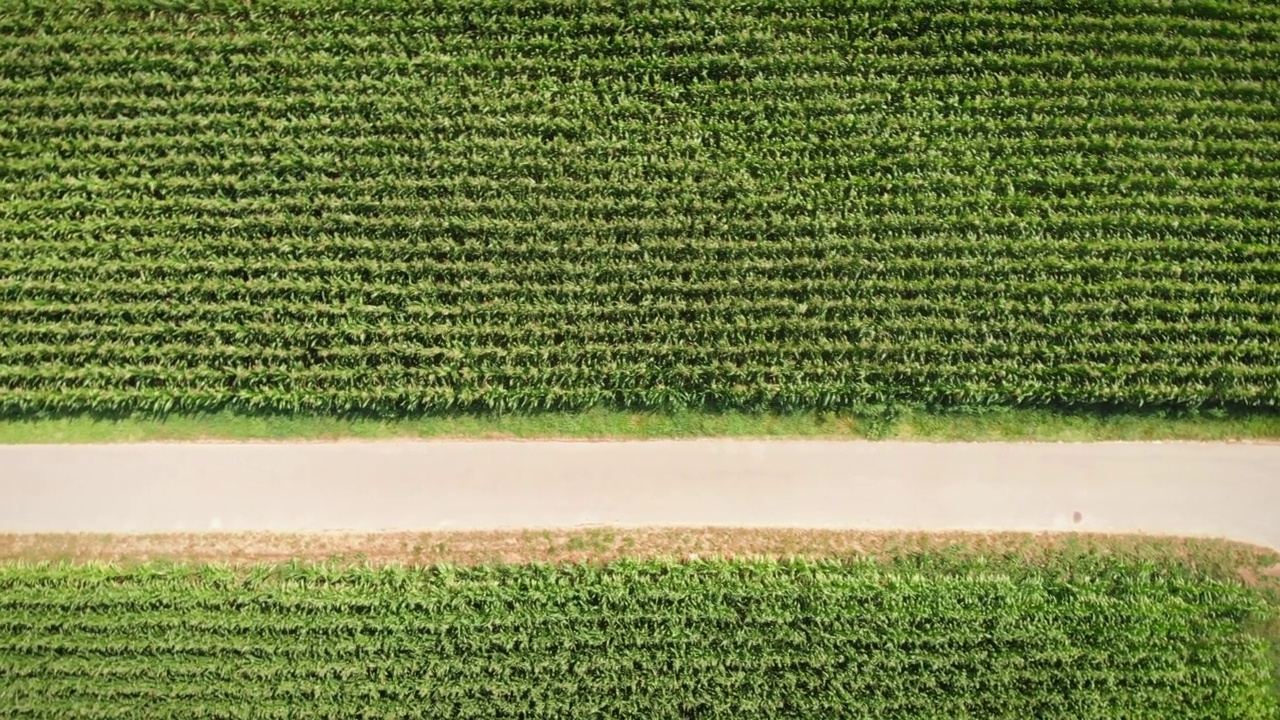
1251, 564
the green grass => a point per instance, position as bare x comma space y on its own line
609, 424
923, 636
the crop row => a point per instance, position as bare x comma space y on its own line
161, 390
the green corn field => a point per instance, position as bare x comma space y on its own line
388, 206
653, 639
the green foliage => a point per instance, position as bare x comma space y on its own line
924, 638
401, 207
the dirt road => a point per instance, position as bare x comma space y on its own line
1228, 490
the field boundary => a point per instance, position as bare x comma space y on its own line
993, 425
1228, 559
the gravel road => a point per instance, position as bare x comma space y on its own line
1222, 490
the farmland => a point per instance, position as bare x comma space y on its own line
788, 205
920, 637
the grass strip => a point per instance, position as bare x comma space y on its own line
603, 424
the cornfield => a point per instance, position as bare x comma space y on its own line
512, 205
711, 639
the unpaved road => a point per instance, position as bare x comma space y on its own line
1223, 490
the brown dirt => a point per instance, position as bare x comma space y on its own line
1249, 576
